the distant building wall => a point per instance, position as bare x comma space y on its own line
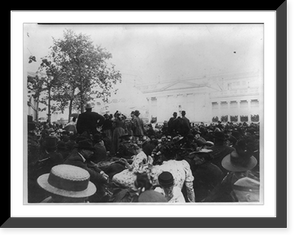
234, 97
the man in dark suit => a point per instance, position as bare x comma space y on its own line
184, 125
80, 158
172, 124
89, 121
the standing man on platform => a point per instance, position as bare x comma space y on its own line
89, 121
184, 124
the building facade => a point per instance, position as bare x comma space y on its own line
231, 97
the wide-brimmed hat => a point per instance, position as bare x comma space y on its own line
150, 196
166, 179
67, 181
235, 163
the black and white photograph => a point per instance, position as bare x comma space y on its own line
165, 114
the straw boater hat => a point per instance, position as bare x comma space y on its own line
67, 181
241, 159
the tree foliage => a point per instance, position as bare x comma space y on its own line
85, 71
75, 71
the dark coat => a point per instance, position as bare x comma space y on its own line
76, 160
138, 126
99, 153
207, 176
89, 121
172, 128
183, 126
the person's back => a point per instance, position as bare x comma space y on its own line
206, 178
182, 127
182, 173
185, 124
118, 131
172, 124
88, 121
138, 124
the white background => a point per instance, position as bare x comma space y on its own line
268, 133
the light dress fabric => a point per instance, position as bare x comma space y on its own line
181, 172
127, 177
177, 196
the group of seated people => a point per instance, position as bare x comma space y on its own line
215, 163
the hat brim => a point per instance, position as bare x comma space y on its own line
227, 164
202, 151
89, 191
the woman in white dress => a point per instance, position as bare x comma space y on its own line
139, 164
166, 161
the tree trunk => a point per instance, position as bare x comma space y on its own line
70, 110
37, 109
81, 105
49, 106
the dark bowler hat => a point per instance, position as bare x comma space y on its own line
85, 145
166, 179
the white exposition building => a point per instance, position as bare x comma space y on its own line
229, 97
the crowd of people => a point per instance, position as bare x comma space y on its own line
112, 158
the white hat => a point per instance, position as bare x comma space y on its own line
67, 181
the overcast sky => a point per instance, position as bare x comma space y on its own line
151, 53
